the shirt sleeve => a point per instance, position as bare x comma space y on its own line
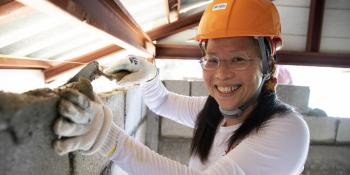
180, 108
279, 148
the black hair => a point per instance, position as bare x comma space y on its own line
209, 118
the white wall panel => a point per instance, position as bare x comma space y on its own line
335, 45
294, 20
297, 3
337, 4
336, 23
336, 27
294, 42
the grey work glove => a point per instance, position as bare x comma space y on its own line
139, 70
84, 123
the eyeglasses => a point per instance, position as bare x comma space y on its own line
212, 62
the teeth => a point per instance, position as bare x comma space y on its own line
227, 89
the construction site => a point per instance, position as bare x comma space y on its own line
46, 44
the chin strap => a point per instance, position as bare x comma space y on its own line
236, 113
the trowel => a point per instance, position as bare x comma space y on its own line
82, 80
93, 70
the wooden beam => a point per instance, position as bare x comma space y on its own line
2, 2
52, 73
284, 57
180, 25
313, 59
315, 25
170, 51
11, 62
9, 7
108, 16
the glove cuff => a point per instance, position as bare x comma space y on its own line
110, 143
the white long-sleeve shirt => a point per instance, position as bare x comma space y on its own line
279, 148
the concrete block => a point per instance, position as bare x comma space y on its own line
140, 133
178, 86
26, 135
170, 128
134, 109
297, 96
198, 88
322, 129
116, 170
152, 131
90, 165
343, 133
115, 100
175, 149
330, 159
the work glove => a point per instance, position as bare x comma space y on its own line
138, 70
84, 123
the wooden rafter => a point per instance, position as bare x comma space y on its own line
315, 25
171, 51
284, 57
9, 7
180, 25
52, 73
314, 59
11, 62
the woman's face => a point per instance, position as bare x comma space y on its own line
231, 87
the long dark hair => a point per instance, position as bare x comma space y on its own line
209, 118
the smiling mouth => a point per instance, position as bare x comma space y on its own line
227, 89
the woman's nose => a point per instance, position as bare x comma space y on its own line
223, 71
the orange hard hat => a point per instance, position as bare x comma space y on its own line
232, 18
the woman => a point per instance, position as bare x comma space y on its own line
240, 128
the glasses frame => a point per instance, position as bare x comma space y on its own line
241, 65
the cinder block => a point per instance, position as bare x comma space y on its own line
134, 110
322, 129
325, 160
297, 96
198, 88
175, 149
26, 137
178, 86
115, 100
152, 131
170, 128
90, 165
116, 170
343, 134
140, 133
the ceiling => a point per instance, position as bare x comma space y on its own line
60, 36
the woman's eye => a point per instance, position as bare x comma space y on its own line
212, 60
238, 59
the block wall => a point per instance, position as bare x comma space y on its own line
26, 134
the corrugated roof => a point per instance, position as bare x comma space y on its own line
78, 31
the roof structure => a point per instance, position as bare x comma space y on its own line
59, 36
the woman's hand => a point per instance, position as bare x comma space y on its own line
84, 122
138, 70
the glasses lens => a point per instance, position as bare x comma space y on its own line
210, 62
